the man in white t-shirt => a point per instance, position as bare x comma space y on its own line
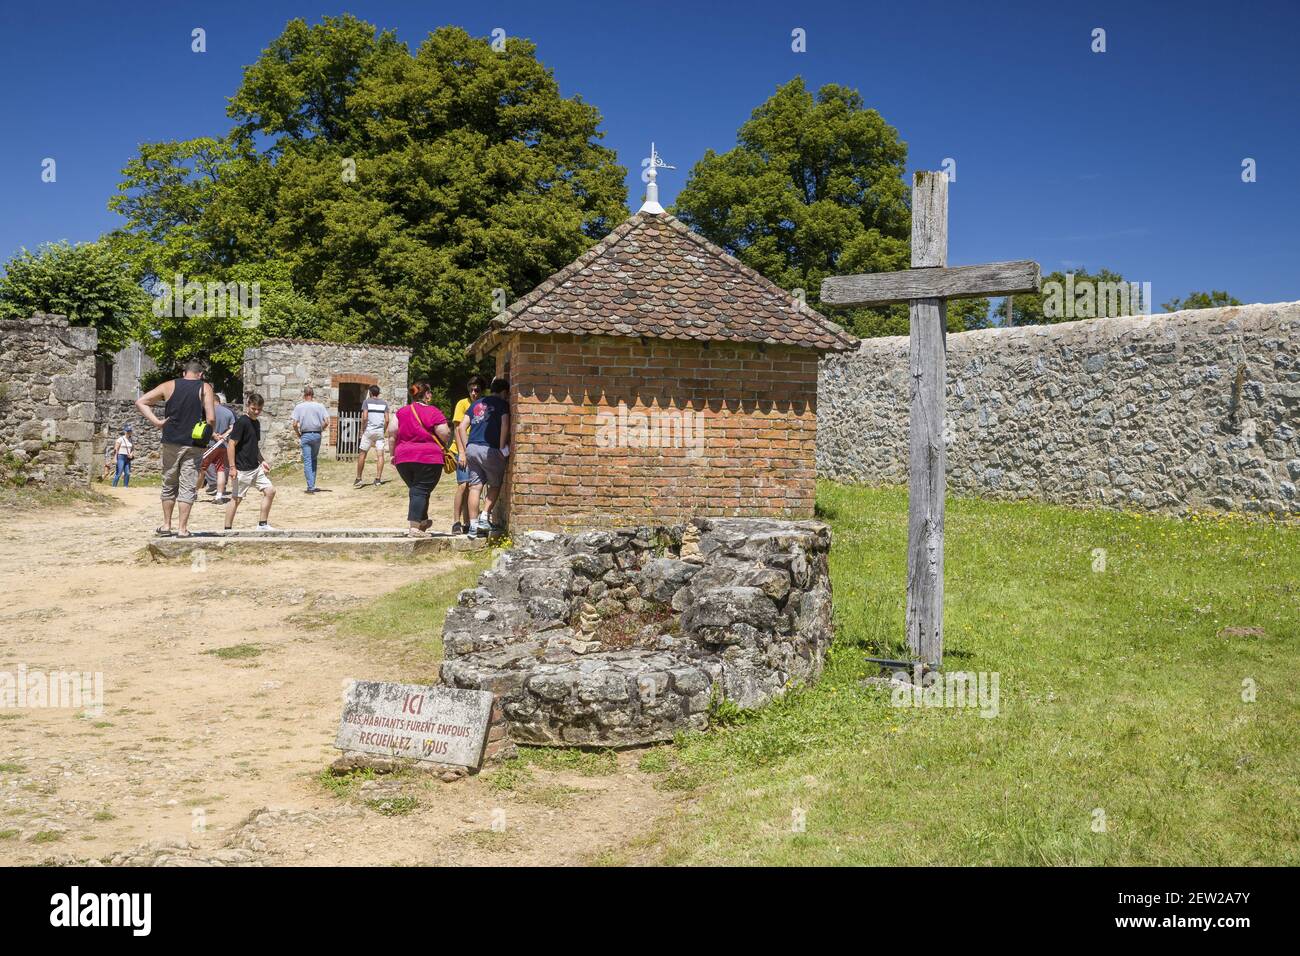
374, 420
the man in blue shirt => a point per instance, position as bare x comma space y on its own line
309, 420
484, 439
216, 472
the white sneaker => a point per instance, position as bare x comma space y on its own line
266, 527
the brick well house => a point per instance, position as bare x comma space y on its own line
658, 378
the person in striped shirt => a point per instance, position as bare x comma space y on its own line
375, 416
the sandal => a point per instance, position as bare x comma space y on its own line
187, 534
164, 532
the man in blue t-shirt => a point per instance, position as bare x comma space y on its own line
215, 472
484, 439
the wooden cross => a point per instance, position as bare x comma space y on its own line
926, 287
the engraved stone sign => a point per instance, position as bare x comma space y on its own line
421, 722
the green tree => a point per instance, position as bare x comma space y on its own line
963, 316
256, 301
813, 188
386, 194
89, 282
1216, 298
1079, 294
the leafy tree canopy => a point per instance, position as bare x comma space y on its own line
89, 282
375, 194
814, 188
1214, 299
1079, 294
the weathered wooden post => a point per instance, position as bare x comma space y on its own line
926, 287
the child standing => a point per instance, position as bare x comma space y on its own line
246, 464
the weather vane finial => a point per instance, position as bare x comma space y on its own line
649, 174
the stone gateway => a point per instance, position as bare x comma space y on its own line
339, 373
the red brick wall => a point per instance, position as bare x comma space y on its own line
736, 430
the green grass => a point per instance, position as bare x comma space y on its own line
409, 619
345, 784
655, 761
236, 652
37, 498
588, 763
394, 806
10, 767
1120, 690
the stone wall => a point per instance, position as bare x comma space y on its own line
611, 430
279, 369
47, 400
111, 414
1188, 410
129, 366
627, 637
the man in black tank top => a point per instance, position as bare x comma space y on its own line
187, 402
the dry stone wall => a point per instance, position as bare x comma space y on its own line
1187, 410
112, 413
279, 369
47, 400
626, 637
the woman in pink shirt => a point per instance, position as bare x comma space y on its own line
419, 433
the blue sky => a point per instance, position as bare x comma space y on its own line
1129, 159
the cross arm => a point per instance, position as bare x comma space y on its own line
941, 282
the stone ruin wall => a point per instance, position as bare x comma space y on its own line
626, 637
1185, 411
112, 413
47, 400
279, 369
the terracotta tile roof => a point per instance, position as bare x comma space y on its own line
654, 277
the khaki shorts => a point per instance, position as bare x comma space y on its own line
246, 481
180, 472
373, 438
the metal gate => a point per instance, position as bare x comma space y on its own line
349, 435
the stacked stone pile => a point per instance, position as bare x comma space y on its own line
617, 638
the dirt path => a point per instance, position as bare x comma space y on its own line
216, 759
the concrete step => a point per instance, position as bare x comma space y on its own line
364, 542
